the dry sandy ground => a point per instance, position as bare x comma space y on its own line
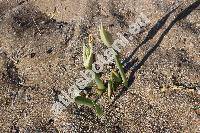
40, 55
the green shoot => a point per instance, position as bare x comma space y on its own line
90, 103
107, 40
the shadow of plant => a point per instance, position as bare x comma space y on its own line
153, 31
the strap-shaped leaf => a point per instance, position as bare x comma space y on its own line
106, 37
87, 56
98, 110
121, 70
99, 82
84, 101
90, 103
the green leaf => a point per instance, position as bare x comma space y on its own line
90, 103
84, 101
98, 110
87, 56
99, 82
105, 36
121, 70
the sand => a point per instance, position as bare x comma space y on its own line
41, 56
